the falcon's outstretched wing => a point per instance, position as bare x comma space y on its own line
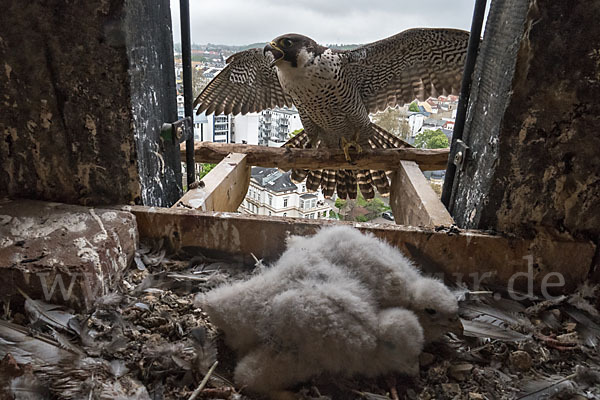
416, 63
247, 84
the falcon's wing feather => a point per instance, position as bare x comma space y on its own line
247, 84
416, 63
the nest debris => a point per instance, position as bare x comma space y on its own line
149, 340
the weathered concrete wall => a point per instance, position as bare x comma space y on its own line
533, 121
84, 87
61, 253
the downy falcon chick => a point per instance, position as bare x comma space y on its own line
334, 92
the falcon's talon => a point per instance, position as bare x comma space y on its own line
346, 145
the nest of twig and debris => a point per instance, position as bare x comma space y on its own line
148, 340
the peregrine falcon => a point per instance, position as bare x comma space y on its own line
334, 92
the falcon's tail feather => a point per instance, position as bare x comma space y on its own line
346, 182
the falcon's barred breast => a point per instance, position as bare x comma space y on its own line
335, 91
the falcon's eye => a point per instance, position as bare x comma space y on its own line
430, 311
286, 43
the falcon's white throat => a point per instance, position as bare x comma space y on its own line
311, 73
304, 58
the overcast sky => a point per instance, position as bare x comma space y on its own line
241, 22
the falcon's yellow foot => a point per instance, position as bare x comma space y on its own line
346, 144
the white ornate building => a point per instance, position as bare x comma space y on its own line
272, 192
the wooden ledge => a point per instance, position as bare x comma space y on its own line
471, 257
286, 158
222, 189
413, 200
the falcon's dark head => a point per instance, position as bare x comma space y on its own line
288, 47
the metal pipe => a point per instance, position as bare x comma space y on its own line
188, 95
463, 102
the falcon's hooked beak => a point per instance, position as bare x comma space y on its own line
275, 51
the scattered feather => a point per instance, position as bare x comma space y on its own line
139, 263
543, 388
109, 300
41, 349
27, 387
489, 330
371, 396
65, 343
43, 313
118, 368
580, 298
550, 320
587, 329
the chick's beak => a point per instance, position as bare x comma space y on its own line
455, 326
275, 51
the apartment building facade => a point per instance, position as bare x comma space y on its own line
276, 125
272, 193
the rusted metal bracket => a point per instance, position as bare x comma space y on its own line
178, 131
459, 153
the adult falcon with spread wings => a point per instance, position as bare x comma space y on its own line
334, 92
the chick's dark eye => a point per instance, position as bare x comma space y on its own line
286, 43
430, 311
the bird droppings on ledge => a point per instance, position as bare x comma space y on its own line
67, 254
149, 340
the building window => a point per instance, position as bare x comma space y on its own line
301, 204
285, 202
270, 200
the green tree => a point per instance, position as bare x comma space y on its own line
360, 199
376, 206
199, 81
430, 139
339, 203
362, 218
414, 107
292, 134
389, 120
199, 58
206, 168
404, 129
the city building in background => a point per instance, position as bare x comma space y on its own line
276, 125
272, 192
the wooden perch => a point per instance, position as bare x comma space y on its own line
285, 158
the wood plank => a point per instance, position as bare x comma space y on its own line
413, 201
286, 158
222, 189
467, 256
